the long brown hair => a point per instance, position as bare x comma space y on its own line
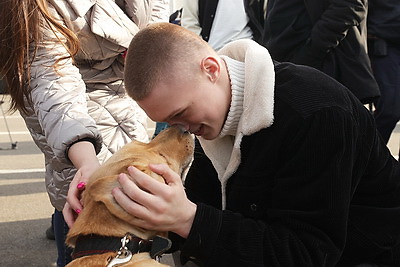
21, 22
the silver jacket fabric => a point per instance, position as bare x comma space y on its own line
86, 99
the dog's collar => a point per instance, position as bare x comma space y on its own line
92, 244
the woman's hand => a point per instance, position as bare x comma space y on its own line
83, 156
157, 206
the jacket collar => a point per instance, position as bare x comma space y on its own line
258, 105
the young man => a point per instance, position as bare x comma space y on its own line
289, 168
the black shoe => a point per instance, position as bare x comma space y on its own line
50, 233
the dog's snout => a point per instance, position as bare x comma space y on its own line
182, 128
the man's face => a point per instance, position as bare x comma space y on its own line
198, 105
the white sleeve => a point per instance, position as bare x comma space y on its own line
190, 16
59, 97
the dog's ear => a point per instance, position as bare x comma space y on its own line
101, 188
100, 191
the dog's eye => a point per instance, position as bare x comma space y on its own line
181, 127
166, 158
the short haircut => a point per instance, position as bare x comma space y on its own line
155, 53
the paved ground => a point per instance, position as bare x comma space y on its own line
25, 210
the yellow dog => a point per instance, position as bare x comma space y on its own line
102, 234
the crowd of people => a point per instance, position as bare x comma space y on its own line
292, 104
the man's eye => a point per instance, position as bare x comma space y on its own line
180, 114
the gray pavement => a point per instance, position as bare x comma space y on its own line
25, 210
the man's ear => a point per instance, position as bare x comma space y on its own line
211, 67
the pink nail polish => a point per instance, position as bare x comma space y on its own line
78, 211
81, 185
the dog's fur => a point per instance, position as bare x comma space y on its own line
103, 216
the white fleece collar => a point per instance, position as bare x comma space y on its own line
258, 105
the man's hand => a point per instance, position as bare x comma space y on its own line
157, 206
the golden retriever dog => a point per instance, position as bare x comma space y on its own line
102, 234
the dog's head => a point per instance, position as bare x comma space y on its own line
172, 146
101, 214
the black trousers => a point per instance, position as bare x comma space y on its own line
385, 64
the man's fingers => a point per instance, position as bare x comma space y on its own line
169, 175
146, 182
126, 200
135, 191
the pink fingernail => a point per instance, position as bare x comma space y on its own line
78, 211
81, 185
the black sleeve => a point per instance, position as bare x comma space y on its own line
331, 27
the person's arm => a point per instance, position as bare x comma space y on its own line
330, 27
190, 16
59, 102
59, 98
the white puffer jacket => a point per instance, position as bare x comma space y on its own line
86, 99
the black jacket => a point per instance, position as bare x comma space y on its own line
384, 20
253, 8
317, 188
327, 35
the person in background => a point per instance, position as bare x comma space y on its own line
221, 21
289, 168
384, 52
63, 63
329, 35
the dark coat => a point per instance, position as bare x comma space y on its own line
384, 20
254, 10
317, 187
327, 35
